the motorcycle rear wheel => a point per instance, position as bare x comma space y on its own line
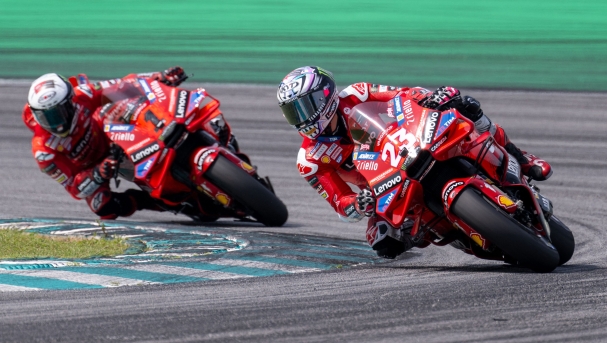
511, 237
562, 239
266, 206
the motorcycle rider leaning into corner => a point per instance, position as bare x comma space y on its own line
70, 146
311, 104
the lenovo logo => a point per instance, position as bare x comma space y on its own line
145, 152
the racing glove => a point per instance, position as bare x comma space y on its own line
173, 76
365, 202
443, 97
470, 108
105, 170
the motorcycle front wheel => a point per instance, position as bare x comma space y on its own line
512, 238
249, 192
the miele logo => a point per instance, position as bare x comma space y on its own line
390, 182
430, 127
182, 100
145, 152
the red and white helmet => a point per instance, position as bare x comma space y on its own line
308, 99
50, 99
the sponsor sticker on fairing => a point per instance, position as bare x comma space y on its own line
369, 156
513, 166
438, 144
388, 183
145, 152
405, 187
430, 127
201, 156
384, 202
400, 116
122, 136
195, 99
118, 128
144, 167
157, 89
181, 103
445, 121
450, 189
366, 165
146, 89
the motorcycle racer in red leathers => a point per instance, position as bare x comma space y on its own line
70, 146
311, 103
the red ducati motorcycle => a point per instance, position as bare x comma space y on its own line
169, 146
458, 186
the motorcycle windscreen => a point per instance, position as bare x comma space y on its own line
368, 120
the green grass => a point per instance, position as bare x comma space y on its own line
17, 244
541, 44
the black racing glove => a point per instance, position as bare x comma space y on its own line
173, 76
442, 98
365, 202
470, 108
106, 170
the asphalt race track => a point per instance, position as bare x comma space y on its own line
427, 295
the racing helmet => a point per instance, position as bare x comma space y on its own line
308, 99
50, 99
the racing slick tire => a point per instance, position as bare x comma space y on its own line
512, 238
240, 185
562, 239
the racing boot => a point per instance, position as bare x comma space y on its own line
142, 200
111, 205
531, 166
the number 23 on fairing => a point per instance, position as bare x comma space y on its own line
400, 138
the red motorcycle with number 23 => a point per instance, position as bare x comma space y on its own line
169, 147
458, 186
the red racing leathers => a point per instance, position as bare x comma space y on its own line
326, 162
71, 161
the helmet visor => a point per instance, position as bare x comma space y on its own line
302, 111
57, 119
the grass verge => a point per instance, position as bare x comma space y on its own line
16, 244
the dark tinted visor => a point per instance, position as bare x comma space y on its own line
57, 119
303, 110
